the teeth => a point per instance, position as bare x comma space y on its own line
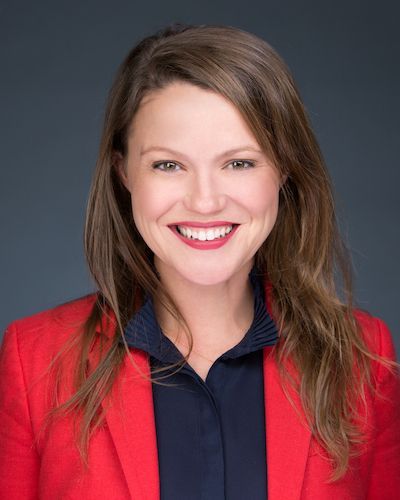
205, 234
210, 235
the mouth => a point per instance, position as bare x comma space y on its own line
204, 238
204, 233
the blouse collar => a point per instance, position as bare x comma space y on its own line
143, 331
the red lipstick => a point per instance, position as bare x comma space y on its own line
204, 224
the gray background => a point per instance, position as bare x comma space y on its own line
57, 63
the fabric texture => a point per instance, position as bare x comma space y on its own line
43, 462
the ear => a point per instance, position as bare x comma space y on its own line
283, 180
118, 163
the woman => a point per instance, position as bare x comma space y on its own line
217, 359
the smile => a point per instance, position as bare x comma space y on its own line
205, 238
208, 234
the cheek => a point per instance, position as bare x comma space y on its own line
261, 198
149, 201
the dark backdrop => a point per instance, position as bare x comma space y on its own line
57, 63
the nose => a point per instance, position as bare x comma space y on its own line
204, 194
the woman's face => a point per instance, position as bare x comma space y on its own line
180, 168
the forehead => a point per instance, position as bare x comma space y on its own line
183, 113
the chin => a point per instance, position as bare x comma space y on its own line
201, 272
207, 275
204, 280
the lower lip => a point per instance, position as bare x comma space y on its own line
205, 245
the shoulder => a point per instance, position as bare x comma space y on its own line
74, 310
379, 340
49, 328
29, 361
375, 332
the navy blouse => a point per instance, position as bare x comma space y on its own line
210, 434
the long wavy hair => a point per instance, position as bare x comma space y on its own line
303, 259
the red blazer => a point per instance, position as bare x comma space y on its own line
123, 452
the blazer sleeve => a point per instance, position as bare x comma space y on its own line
385, 472
19, 460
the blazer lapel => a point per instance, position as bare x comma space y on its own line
130, 419
287, 438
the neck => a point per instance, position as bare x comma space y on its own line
218, 316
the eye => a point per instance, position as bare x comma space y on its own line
171, 166
165, 166
239, 164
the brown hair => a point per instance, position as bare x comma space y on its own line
300, 258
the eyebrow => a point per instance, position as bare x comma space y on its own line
225, 153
